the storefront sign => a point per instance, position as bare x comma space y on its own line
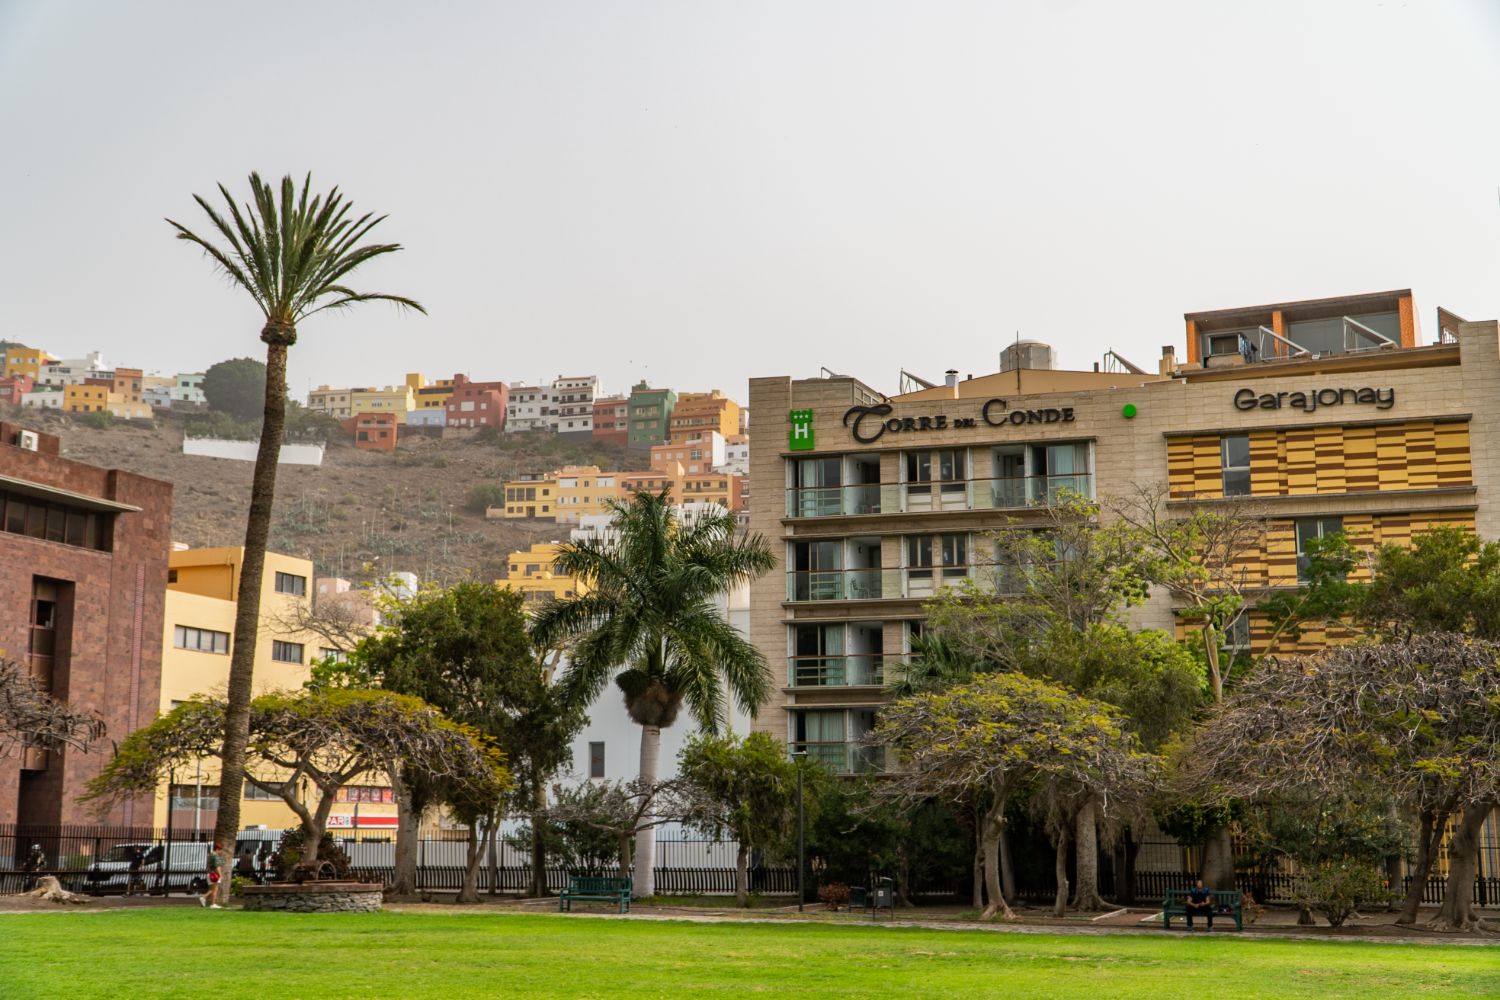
1249, 399
868, 424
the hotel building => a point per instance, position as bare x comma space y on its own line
1328, 415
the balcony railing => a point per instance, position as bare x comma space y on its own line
844, 758
847, 670
1006, 493
877, 584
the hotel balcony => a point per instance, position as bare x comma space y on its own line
844, 758
1007, 493
845, 670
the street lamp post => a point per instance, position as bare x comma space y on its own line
800, 756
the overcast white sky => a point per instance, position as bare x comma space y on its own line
698, 192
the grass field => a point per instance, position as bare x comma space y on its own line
225, 955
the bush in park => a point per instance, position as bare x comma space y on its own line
1338, 888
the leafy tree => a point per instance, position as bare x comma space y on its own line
31, 717
236, 387
743, 788
1447, 580
292, 258
289, 854
621, 810
328, 738
647, 615
465, 650
1418, 717
1003, 736
1339, 886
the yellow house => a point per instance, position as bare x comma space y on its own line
535, 496
397, 399
26, 361
429, 395
334, 402
531, 573
198, 625
85, 398
125, 408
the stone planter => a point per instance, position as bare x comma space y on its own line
314, 897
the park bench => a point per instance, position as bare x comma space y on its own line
1175, 905
595, 889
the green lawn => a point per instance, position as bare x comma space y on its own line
191, 953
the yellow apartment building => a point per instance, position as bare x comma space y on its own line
202, 586
397, 399
27, 361
565, 495
697, 412
532, 573
85, 398
531, 496
429, 395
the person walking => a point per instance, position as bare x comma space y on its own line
210, 897
36, 861
133, 880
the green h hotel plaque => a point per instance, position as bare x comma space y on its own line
799, 436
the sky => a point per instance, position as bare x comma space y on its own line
695, 193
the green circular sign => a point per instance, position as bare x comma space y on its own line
1128, 411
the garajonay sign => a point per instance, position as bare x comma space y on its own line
868, 424
1249, 399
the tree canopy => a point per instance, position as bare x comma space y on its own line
31, 717
236, 387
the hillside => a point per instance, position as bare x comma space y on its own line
361, 514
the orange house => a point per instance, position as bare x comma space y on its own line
372, 431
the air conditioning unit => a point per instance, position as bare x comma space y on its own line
27, 440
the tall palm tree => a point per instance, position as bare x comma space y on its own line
292, 256
648, 616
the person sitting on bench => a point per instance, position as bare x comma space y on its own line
1199, 901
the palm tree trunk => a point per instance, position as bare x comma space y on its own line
538, 844
247, 606
645, 836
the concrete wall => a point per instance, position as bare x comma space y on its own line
244, 451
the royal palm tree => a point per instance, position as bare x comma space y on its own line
648, 615
293, 257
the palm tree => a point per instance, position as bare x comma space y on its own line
648, 615
292, 257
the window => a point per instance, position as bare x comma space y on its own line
1234, 455
331, 655
289, 583
256, 793
286, 652
204, 640
1237, 639
201, 797
596, 760
1309, 528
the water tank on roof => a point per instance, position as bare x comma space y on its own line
1027, 354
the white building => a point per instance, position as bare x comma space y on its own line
573, 404
736, 455
73, 371
43, 399
188, 388
529, 408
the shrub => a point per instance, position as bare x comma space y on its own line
289, 853
101, 419
835, 894
482, 495
1337, 888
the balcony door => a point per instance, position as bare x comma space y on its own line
937, 479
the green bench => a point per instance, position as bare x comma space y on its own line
595, 889
1175, 905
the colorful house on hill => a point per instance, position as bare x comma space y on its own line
13, 387
612, 420
372, 431
477, 404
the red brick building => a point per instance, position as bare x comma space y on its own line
612, 420
83, 579
477, 404
372, 431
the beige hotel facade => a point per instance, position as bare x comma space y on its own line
1331, 415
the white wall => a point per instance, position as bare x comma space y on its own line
244, 451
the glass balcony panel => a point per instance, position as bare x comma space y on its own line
835, 671
844, 758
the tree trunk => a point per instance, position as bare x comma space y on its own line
1211, 652
625, 856
1130, 851
645, 837
495, 864
538, 843
1060, 872
742, 877
978, 881
408, 831
1457, 912
1007, 866
1431, 823
469, 891
1218, 859
247, 600
1086, 836
993, 828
